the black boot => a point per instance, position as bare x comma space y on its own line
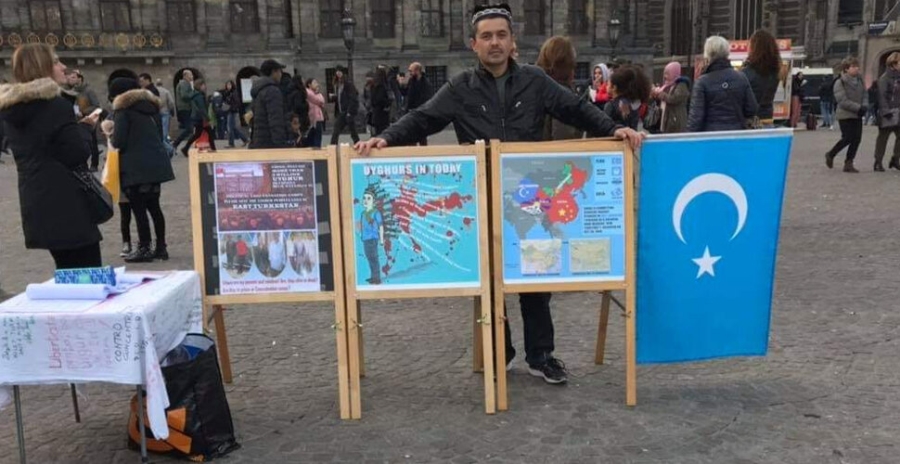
829, 160
848, 166
161, 253
894, 164
879, 167
141, 255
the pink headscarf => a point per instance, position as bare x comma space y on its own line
673, 69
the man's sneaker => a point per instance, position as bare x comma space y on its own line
126, 250
553, 371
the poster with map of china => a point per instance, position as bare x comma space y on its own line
563, 217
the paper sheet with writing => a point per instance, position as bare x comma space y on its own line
120, 340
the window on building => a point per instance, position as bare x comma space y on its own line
244, 16
45, 15
330, 15
181, 15
534, 17
432, 18
578, 18
382, 19
288, 19
748, 16
115, 15
850, 12
681, 25
436, 75
329, 80
883, 9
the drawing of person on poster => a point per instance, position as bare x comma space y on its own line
371, 225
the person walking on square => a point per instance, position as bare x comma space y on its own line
143, 162
270, 128
48, 144
849, 92
888, 113
200, 118
184, 93
316, 102
346, 107
168, 109
233, 106
418, 92
500, 99
826, 102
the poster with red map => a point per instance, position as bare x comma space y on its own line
415, 223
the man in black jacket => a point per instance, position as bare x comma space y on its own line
269, 125
346, 106
501, 100
419, 91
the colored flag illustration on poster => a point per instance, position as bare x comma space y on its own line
709, 217
267, 227
415, 223
563, 217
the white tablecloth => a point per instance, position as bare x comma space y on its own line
122, 339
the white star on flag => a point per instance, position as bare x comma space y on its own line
706, 263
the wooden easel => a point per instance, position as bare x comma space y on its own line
199, 200
627, 284
483, 352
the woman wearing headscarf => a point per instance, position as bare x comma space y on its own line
48, 144
762, 68
557, 59
143, 163
598, 93
722, 99
673, 97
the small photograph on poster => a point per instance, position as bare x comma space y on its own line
415, 223
234, 255
303, 255
269, 253
541, 257
589, 256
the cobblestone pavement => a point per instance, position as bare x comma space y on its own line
827, 392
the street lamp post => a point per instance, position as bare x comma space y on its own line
614, 28
348, 27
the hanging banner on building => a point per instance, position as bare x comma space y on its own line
267, 227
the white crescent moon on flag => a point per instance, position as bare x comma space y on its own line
710, 183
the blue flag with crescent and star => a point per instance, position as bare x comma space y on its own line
708, 220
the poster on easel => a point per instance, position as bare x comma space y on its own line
415, 223
563, 221
266, 229
415, 226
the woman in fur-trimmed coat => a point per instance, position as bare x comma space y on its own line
143, 163
48, 143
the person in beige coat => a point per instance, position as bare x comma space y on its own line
849, 91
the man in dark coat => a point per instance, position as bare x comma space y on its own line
346, 106
500, 99
419, 91
86, 100
269, 125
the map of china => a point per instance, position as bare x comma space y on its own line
545, 192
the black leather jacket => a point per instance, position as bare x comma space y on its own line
471, 102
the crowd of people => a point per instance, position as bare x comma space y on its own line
50, 119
